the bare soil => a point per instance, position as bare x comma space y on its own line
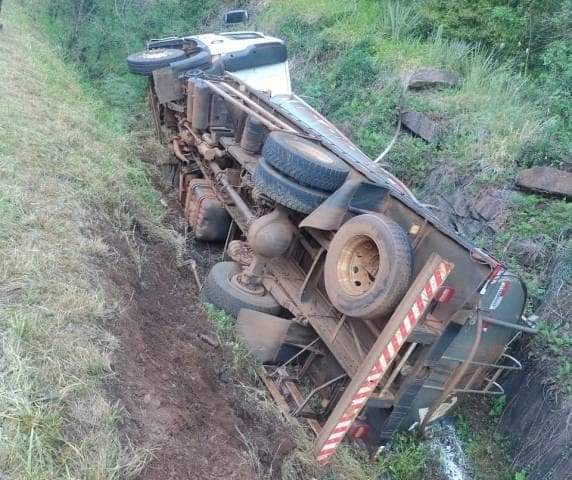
179, 403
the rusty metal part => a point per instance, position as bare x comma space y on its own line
178, 152
156, 112
259, 112
227, 96
330, 215
339, 326
358, 265
240, 252
398, 368
201, 105
296, 355
232, 193
207, 151
274, 390
316, 390
298, 400
248, 283
271, 235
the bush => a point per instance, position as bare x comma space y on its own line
518, 31
98, 36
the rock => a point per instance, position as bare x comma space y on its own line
494, 206
422, 126
546, 180
428, 78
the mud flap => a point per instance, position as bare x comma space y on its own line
354, 193
331, 214
262, 333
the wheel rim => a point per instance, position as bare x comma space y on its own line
257, 290
155, 54
358, 265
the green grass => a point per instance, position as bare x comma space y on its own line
491, 120
98, 36
66, 170
486, 449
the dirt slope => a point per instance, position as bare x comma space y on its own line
167, 378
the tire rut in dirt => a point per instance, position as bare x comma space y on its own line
179, 401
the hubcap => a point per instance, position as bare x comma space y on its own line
358, 265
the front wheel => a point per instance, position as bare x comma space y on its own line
144, 63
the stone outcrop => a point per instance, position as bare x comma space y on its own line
431, 78
546, 180
423, 126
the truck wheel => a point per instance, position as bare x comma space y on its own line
368, 266
144, 63
286, 191
305, 161
221, 291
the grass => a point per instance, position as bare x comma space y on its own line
491, 120
65, 170
487, 449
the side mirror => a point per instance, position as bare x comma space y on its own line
236, 16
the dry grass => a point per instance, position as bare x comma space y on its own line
64, 170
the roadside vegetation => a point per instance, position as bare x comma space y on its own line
66, 175
98, 35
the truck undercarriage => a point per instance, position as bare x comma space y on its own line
369, 315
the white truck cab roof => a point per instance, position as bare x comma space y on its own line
271, 79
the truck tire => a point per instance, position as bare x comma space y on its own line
286, 191
305, 161
221, 292
144, 63
368, 266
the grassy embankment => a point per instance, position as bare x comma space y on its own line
67, 173
511, 111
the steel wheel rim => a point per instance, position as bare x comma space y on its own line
358, 265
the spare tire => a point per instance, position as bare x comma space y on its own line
368, 266
144, 63
221, 291
286, 191
305, 161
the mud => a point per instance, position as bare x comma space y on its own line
179, 402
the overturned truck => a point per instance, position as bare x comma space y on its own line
369, 315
